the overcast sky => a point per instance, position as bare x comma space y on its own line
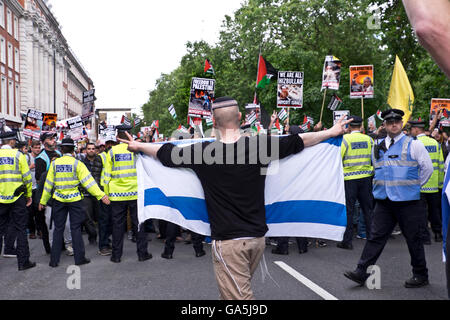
126, 45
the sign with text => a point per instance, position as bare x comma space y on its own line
436, 106
338, 114
201, 98
290, 89
361, 82
331, 73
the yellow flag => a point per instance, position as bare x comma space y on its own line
401, 95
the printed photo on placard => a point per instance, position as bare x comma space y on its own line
361, 82
290, 89
436, 106
331, 73
252, 113
201, 98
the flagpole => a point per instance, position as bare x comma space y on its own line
362, 110
323, 103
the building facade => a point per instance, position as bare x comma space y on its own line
38, 69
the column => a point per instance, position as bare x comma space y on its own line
35, 89
41, 79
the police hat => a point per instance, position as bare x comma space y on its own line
47, 135
68, 142
124, 128
392, 114
246, 126
8, 135
417, 124
357, 121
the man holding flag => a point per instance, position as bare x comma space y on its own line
234, 193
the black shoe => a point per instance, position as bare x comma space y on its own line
278, 251
53, 265
427, 242
115, 260
302, 251
356, 276
133, 239
438, 237
345, 246
200, 254
145, 257
416, 282
27, 265
166, 256
84, 261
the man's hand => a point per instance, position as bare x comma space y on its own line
106, 200
274, 116
318, 126
133, 146
29, 202
339, 128
41, 207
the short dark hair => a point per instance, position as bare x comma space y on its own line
67, 149
90, 144
35, 143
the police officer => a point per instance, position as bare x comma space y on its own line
64, 177
356, 153
121, 185
15, 196
402, 165
430, 192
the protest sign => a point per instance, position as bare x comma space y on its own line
361, 82
338, 114
436, 106
201, 98
33, 124
49, 122
74, 123
290, 89
77, 134
372, 123
331, 73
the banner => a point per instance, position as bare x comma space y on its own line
305, 198
361, 82
201, 98
338, 114
436, 106
290, 89
331, 73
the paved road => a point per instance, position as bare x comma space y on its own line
189, 278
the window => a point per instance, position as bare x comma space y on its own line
16, 60
10, 56
16, 28
2, 50
4, 98
17, 100
9, 21
11, 97
2, 14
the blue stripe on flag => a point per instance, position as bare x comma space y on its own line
190, 208
301, 211
307, 211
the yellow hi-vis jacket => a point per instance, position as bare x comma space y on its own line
64, 177
437, 157
14, 172
120, 174
356, 151
103, 156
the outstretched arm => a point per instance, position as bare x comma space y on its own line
313, 138
147, 148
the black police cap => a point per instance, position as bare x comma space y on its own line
68, 142
8, 135
124, 128
356, 120
417, 123
392, 114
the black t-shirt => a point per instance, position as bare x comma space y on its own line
234, 181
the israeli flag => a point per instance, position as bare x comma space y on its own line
304, 194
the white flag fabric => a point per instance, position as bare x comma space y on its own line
305, 197
172, 111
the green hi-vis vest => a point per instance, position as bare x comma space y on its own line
120, 176
356, 151
437, 157
63, 179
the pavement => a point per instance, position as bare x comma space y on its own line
314, 276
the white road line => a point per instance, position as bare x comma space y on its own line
311, 285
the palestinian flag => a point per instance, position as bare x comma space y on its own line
182, 128
379, 115
209, 68
172, 111
283, 115
155, 124
266, 72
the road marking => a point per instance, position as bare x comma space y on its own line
311, 285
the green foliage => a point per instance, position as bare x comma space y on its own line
296, 36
